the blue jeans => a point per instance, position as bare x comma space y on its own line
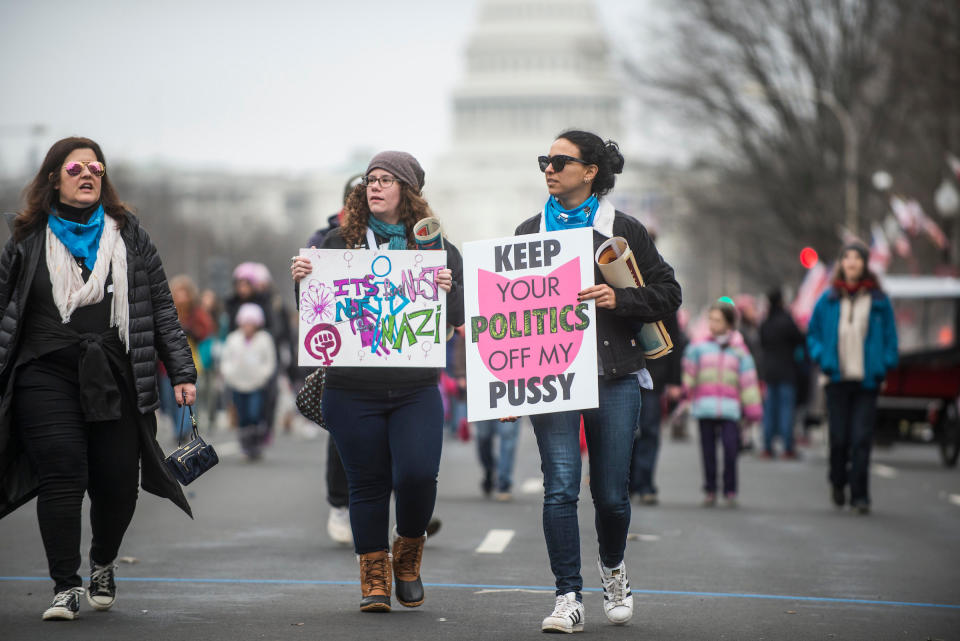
778, 415
169, 406
251, 426
646, 444
249, 407
852, 412
390, 441
497, 471
609, 432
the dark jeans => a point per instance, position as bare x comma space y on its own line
778, 415
249, 407
390, 441
852, 412
646, 444
338, 493
609, 431
251, 425
73, 457
497, 471
729, 434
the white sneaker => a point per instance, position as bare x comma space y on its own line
65, 606
617, 600
567, 615
102, 593
338, 525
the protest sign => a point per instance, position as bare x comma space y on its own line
372, 308
531, 347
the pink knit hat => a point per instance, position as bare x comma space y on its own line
250, 314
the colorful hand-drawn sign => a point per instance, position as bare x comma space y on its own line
531, 346
373, 308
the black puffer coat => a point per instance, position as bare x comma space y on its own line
154, 332
617, 344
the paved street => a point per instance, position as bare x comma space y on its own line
257, 564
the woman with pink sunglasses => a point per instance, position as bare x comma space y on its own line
85, 312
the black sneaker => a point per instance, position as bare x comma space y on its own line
103, 588
839, 497
65, 606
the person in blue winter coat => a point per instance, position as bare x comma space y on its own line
853, 338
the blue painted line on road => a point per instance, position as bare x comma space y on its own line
544, 588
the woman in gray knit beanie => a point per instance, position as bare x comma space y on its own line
387, 422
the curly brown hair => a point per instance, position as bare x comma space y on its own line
412, 208
41, 195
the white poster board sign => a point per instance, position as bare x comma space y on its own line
531, 346
372, 308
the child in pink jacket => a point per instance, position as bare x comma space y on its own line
720, 379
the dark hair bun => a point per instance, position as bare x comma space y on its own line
605, 155
612, 151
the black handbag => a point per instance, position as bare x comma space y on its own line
310, 396
189, 461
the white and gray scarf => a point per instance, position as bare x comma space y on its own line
69, 290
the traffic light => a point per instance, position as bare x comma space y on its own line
808, 257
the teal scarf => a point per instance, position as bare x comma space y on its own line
396, 233
557, 218
82, 240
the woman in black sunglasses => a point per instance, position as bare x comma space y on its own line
85, 312
580, 171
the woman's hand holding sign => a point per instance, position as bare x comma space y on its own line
603, 294
445, 279
300, 268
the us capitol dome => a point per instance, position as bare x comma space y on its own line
533, 68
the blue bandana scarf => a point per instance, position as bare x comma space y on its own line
396, 233
82, 240
558, 218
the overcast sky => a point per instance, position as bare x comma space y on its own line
281, 85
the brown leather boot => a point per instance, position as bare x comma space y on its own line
407, 554
375, 581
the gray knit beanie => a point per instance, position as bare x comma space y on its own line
858, 247
400, 164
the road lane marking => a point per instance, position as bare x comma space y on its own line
636, 536
884, 471
532, 486
526, 590
495, 542
539, 588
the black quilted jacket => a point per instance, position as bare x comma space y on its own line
155, 333
154, 328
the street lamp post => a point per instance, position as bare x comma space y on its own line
851, 141
851, 157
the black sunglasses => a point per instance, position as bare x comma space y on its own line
559, 161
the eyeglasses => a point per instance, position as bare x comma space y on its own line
559, 161
385, 181
76, 167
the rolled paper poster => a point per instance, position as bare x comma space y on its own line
619, 268
428, 234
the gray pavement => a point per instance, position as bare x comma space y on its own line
257, 564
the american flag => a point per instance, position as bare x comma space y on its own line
880, 253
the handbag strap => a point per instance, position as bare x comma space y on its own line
193, 422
